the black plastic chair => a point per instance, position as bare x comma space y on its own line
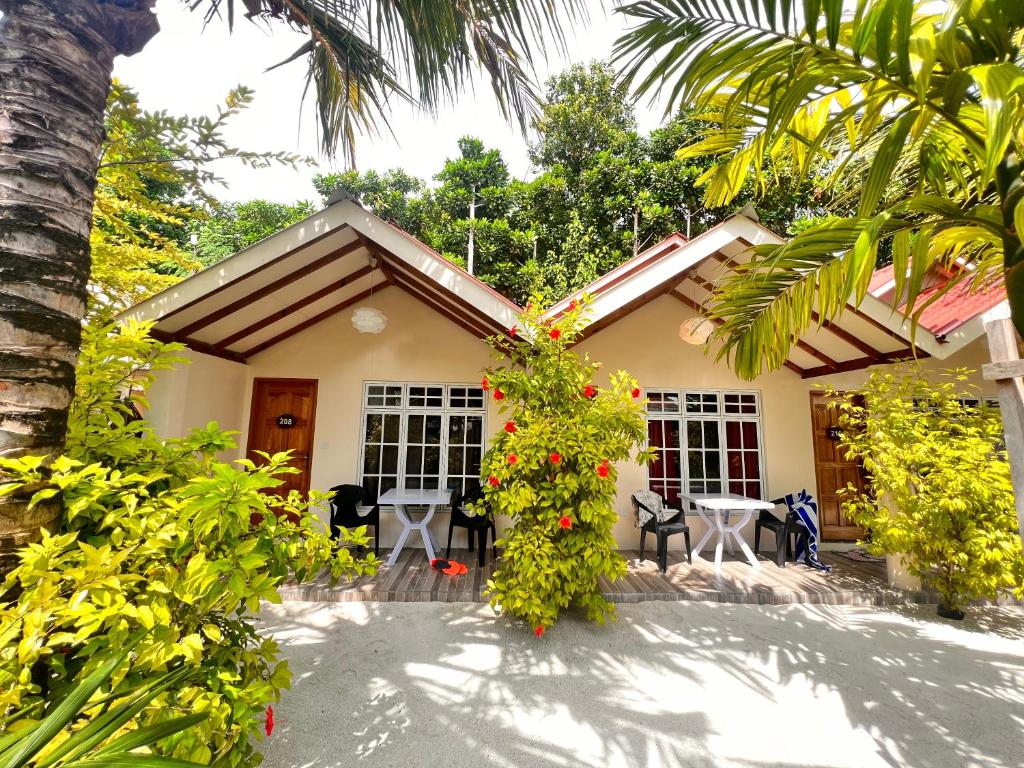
790, 526
474, 524
662, 529
345, 501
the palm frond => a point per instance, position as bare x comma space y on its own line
363, 55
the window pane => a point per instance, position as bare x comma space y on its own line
456, 430
414, 432
432, 460
433, 427
749, 434
455, 464
694, 438
414, 460
389, 459
371, 460
475, 430
711, 434
392, 428
473, 458
374, 428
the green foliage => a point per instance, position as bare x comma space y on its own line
603, 190
231, 227
78, 733
151, 186
158, 537
916, 107
361, 56
941, 491
552, 470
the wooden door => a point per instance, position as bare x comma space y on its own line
282, 418
833, 471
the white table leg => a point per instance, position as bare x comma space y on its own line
719, 543
407, 526
428, 543
707, 533
728, 540
734, 531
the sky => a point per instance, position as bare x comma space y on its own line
187, 69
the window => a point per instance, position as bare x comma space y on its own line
421, 436
712, 444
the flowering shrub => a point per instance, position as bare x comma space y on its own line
565, 435
159, 538
941, 491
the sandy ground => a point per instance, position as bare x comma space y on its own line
669, 684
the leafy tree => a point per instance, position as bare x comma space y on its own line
552, 470
587, 110
917, 106
153, 184
941, 491
360, 57
234, 226
394, 195
161, 539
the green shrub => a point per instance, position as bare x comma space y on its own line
552, 470
940, 482
158, 537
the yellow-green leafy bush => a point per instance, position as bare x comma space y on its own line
940, 490
158, 537
552, 470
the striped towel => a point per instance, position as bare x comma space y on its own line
804, 506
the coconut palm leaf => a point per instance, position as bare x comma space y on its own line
364, 54
916, 105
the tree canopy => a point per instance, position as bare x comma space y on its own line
602, 191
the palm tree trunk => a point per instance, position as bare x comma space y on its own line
56, 61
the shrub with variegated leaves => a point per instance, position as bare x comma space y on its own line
159, 539
552, 469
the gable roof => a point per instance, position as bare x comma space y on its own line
871, 333
952, 310
315, 268
342, 255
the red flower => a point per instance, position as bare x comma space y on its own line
602, 470
555, 334
635, 392
565, 522
499, 395
555, 457
512, 458
269, 726
589, 391
510, 427
513, 331
485, 384
573, 305
494, 481
538, 631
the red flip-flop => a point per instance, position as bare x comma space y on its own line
455, 569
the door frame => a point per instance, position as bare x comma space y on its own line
315, 384
816, 398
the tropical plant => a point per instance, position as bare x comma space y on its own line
940, 490
79, 731
57, 60
233, 226
552, 470
158, 536
152, 184
917, 105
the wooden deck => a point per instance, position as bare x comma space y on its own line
849, 583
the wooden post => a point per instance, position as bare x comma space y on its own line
1006, 369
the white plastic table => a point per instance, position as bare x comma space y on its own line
714, 509
400, 499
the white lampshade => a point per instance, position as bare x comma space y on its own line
696, 330
369, 320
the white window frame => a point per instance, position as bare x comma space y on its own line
404, 410
721, 417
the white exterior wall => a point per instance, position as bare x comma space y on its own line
420, 345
